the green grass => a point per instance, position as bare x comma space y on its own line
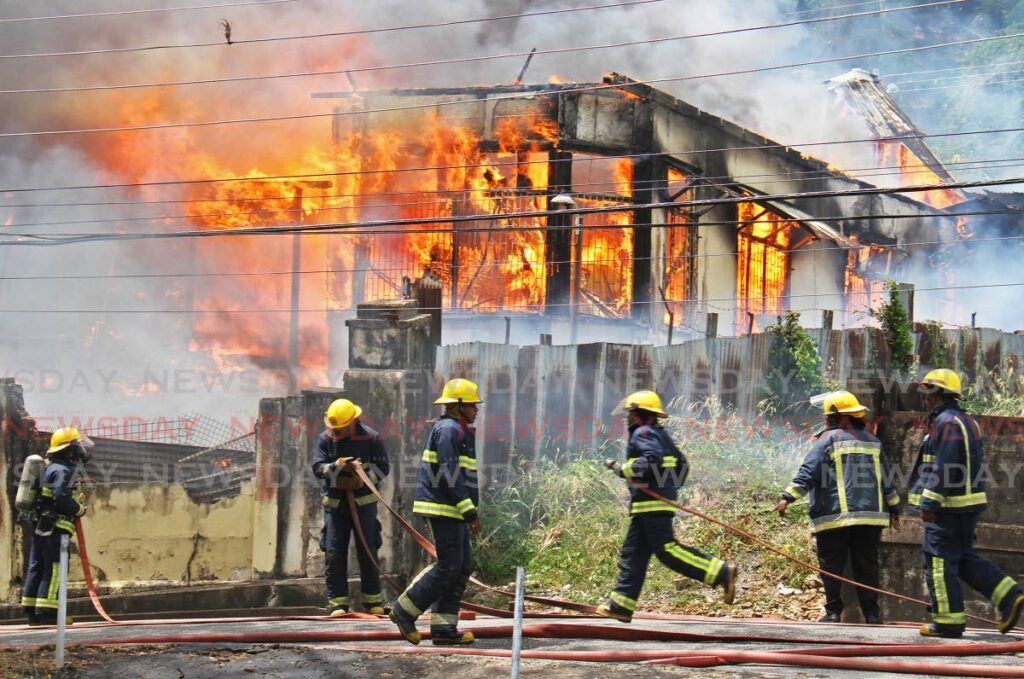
564, 519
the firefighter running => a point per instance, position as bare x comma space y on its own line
851, 499
654, 462
56, 510
346, 439
948, 484
447, 494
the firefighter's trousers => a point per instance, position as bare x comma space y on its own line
859, 546
338, 530
949, 557
440, 587
42, 577
651, 535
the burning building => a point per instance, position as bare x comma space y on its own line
735, 245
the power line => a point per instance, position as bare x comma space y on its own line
143, 11
453, 219
431, 168
994, 83
726, 180
334, 34
439, 104
490, 194
496, 264
510, 307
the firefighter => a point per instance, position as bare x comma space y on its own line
653, 461
948, 485
347, 439
447, 494
851, 500
57, 510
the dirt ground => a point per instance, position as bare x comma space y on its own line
298, 662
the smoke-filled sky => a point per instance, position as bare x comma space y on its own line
87, 361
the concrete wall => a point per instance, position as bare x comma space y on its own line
141, 533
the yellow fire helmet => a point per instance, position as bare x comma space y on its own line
643, 400
341, 413
838, 402
459, 390
64, 437
944, 379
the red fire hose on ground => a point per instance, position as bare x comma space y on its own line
851, 655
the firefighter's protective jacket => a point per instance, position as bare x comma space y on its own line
447, 483
848, 480
654, 462
949, 472
365, 445
57, 506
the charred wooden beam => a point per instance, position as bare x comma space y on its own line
558, 239
643, 190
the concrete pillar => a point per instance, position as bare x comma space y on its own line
18, 440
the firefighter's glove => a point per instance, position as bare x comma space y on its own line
613, 465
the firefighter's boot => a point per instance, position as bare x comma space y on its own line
448, 635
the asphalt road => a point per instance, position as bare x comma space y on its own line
28, 652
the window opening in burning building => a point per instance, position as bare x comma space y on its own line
680, 271
605, 285
762, 266
863, 292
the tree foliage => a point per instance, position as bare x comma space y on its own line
795, 373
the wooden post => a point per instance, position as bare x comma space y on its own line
826, 319
508, 329
711, 330
750, 323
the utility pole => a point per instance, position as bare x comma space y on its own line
293, 321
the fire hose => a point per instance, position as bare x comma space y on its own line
848, 656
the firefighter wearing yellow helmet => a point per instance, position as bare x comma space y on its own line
347, 439
654, 462
948, 485
57, 510
851, 498
447, 494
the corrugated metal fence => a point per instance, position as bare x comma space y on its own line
545, 399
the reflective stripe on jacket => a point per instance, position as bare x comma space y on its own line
848, 480
949, 472
654, 462
366, 446
447, 483
55, 498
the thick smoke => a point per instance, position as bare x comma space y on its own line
92, 359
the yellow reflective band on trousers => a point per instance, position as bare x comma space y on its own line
28, 601
943, 615
623, 601
438, 619
408, 606
1001, 589
53, 592
367, 499
425, 508
338, 601
649, 506
372, 598
710, 567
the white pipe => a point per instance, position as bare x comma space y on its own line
517, 633
62, 598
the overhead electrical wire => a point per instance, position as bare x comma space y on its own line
994, 83
511, 96
496, 264
487, 309
711, 181
38, 240
220, 43
431, 168
492, 194
144, 11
